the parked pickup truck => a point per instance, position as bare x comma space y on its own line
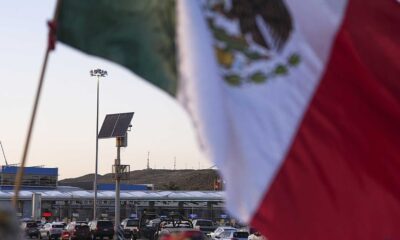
131, 228
204, 225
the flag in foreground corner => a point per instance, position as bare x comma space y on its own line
298, 102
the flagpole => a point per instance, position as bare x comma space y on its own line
50, 47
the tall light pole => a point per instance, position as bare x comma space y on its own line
96, 73
4, 155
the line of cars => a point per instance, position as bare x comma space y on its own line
78, 230
150, 226
174, 226
42, 231
198, 229
81, 230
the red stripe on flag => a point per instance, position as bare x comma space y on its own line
341, 178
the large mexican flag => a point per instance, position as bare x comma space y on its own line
297, 102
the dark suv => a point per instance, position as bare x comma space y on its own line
76, 231
148, 224
31, 229
101, 229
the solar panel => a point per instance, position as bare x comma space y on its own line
115, 125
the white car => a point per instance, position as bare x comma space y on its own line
204, 225
51, 230
216, 234
234, 235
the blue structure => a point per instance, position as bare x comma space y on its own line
126, 187
34, 177
30, 170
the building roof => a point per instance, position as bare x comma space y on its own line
72, 193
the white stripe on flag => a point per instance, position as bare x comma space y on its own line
248, 130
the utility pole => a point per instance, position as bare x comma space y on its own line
174, 163
148, 160
117, 126
118, 181
4, 155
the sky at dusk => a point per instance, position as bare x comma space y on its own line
64, 135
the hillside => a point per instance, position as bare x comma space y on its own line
162, 179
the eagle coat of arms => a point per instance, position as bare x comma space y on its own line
247, 35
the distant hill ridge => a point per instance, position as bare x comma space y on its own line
162, 179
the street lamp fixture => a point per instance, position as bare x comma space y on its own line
98, 73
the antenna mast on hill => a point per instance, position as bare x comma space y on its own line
148, 160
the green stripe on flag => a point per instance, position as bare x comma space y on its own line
138, 34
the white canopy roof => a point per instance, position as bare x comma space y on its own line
62, 193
